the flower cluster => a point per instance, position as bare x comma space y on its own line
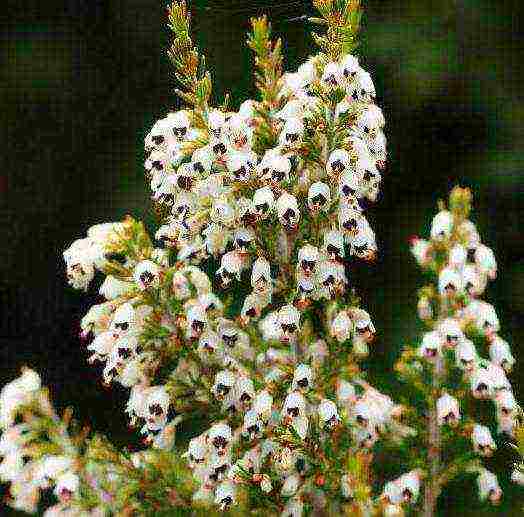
298, 200
23, 466
41, 452
240, 313
266, 204
450, 358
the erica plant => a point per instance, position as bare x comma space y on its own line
239, 318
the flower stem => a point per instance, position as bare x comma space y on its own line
432, 486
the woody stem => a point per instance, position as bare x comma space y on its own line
432, 485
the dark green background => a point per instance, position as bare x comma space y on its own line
81, 82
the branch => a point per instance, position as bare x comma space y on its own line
189, 65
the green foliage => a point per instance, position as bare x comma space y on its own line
342, 19
189, 66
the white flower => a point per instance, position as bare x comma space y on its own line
448, 411
409, 485
224, 382
349, 219
334, 244
302, 378
307, 258
230, 268
197, 450
123, 319
328, 412
216, 120
220, 436
17, 393
489, 486
481, 383
441, 225
342, 326
458, 256
293, 108
431, 345
291, 132
330, 277
156, 404
263, 201
275, 167
66, 485
349, 66
319, 196
506, 403
244, 390
202, 160
288, 211
146, 274
365, 87
80, 272
290, 485
420, 250
466, 354
483, 316
449, 282
473, 280
289, 321
364, 328
500, 353
196, 321
179, 124
294, 405
370, 120
261, 275
450, 331
240, 165
485, 261
483, 442
252, 425
339, 162
223, 212
350, 191
158, 134
225, 495
332, 75
270, 327
263, 404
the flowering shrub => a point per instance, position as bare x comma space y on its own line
240, 311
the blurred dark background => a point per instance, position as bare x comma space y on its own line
81, 83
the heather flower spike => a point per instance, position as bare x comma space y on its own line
241, 311
462, 362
